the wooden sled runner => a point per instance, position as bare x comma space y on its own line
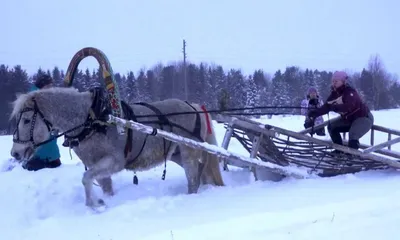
284, 147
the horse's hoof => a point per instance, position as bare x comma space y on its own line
109, 193
99, 207
101, 202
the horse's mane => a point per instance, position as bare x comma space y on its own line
25, 99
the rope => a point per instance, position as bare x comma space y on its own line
62, 134
231, 110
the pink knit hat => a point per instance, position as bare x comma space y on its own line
312, 90
340, 75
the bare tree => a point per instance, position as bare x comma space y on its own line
380, 81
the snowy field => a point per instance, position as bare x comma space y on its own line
49, 204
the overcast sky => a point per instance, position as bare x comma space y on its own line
250, 34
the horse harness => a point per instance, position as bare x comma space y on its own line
96, 121
162, 121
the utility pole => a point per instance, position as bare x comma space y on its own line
184, 70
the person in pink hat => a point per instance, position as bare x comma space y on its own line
312, 101
356, 118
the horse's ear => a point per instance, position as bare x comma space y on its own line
18, 94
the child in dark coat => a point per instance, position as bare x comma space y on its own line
312, 100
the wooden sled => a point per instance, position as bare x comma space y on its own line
283, 147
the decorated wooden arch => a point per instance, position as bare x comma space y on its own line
108, 75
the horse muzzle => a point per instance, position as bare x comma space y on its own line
20, 154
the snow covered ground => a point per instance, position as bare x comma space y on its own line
49, 204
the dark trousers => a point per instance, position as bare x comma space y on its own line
319, 132
357, 129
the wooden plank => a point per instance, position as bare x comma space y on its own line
218, 151
225, 144
386, 130
374, 127
372, 137
322, 125
246, 124
389, 153
381, 145
254, 150
268, 148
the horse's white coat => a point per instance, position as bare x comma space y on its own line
103, 154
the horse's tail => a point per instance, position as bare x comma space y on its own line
212, 170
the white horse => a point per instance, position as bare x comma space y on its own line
105, 152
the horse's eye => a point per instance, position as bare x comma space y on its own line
27, 121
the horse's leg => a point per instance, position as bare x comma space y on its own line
190, 160
205, 177
172, 156
104, 168
106, 185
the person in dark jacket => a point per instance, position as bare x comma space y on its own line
356, 118
47, 155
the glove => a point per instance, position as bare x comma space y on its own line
313, 102
333, 107
308, 123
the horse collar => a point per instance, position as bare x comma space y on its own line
95, 121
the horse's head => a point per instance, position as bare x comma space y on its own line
32, 127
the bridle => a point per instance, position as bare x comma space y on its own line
36, 111
92, 123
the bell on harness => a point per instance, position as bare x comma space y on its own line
70, 143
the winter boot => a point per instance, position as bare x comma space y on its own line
53, 164
34, 164
38, 164
354, 144
321, 132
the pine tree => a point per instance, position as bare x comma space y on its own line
237, 92
252, 97
367, 88
132, 91
280, 92
56, 74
